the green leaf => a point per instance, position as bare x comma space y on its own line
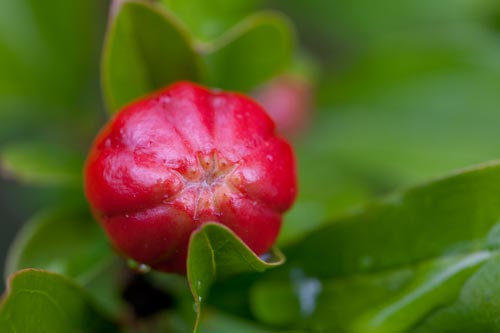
396, 117
216, 321
215, 252
475, 310
42, 164
387, 267
48, 51
68, 241
252, 52
39, 301
360, 21
209, 19
145, 50
65, 241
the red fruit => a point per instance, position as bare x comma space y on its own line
289, 101
184, 156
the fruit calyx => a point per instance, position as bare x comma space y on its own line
210, 179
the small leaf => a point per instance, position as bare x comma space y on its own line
145, 50
209, 19
215, 252
39, 301
65, 241
387, 267
250, 53
42, 164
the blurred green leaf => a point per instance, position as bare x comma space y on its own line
68, 241
339, 27
475, 310
39, 301
215, 252
387, 267
217, 321
48, 53
65, 241
209, 19
145, 50
250, 53
327, 188
43, 164
415, 106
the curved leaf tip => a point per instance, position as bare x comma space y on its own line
215, 252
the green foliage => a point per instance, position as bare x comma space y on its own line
393, 263
45, 59
264, 38
41, 164
215, 252
39, 301
223, 323
208, 20
146, 49
81, 249
410, 91
399, 114
49, 63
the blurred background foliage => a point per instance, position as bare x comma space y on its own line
406, 90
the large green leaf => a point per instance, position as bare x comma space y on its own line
65, 241
252, 52
39, 301
386, 267
209, 19
43, 164
215, 252
145, 50
400, 113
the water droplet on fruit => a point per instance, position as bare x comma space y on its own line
138, 267
217, 102
165, 100
266, 256
143, 269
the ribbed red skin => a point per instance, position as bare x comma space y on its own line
184, 156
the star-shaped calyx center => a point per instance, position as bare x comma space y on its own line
208, 182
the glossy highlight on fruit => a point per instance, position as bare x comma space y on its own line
186, 155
